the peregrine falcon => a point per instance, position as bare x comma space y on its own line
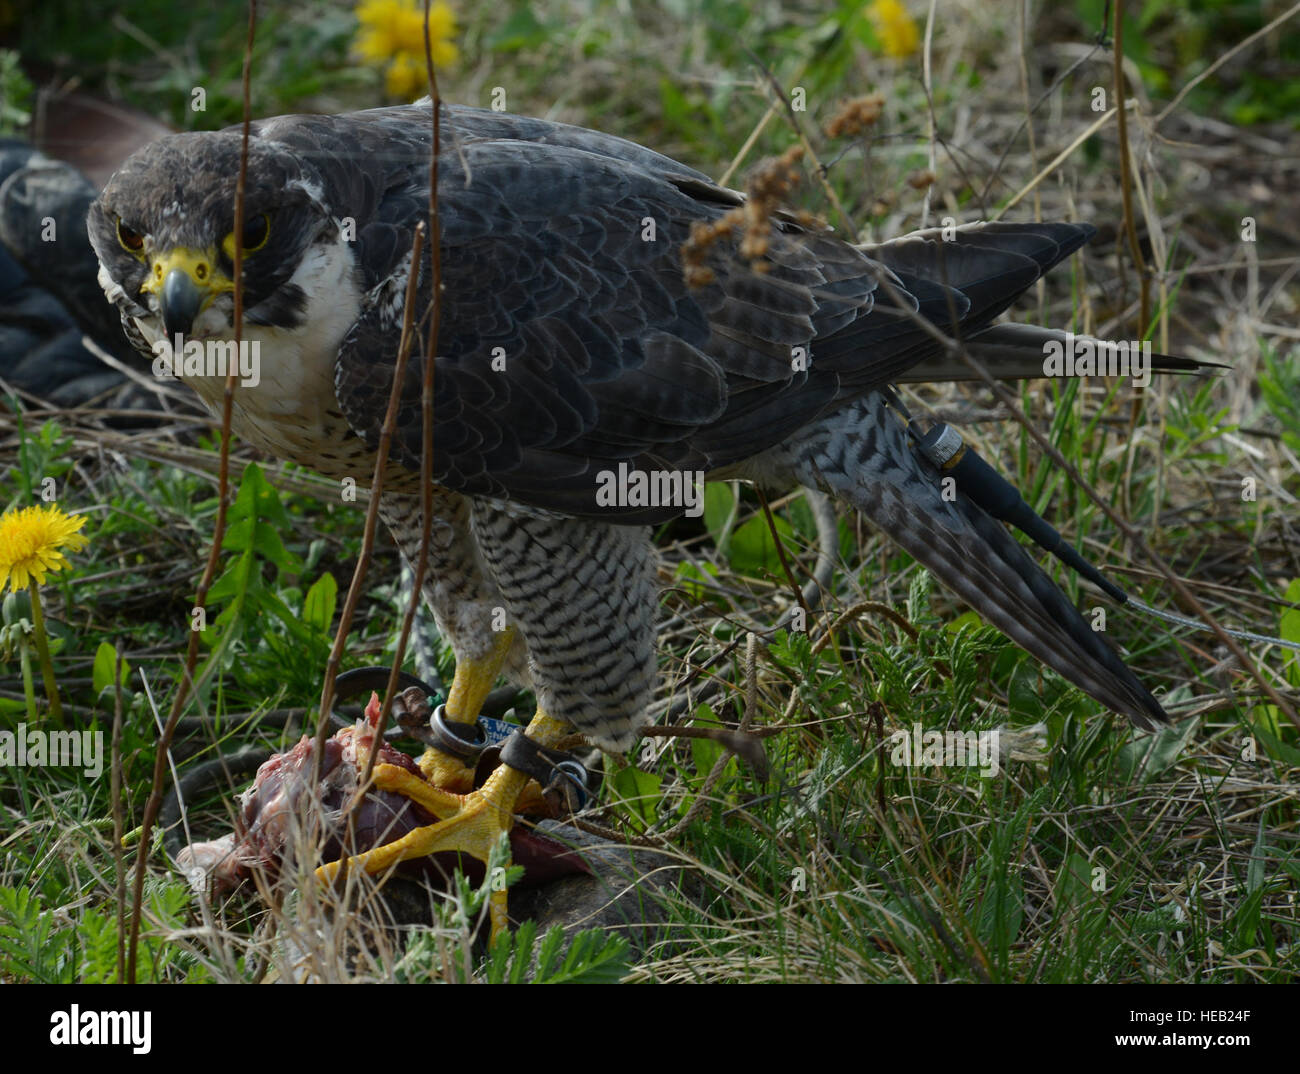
570, 346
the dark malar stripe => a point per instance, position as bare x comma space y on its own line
287, 308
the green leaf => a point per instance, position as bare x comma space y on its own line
101, 675
801, 518
752, 550
720, 506
318, 605
234, 581
507, 962
1149, 755
31, 948
593, 956
1266, 723
967, 618
256, 519
705, 751
1002, 911
98, 934
1289, 628
1073, 883
1255, 871
689, 577
638, 794
1023, 690
269, 602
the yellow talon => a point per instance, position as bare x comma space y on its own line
439, 801
442, 769
468, 824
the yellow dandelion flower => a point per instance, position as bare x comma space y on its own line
31, 543
894, 26
377, 38
392, 32
406, 77
442, 24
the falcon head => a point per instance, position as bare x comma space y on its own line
163, 230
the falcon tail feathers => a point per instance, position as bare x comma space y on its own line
979, 559
1017, 352
990, 264
860, 456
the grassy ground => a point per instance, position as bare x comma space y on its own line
1096, 853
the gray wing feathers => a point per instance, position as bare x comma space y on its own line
602, 354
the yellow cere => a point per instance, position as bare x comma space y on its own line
198, 265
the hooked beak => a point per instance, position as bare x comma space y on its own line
180, 302
186, 281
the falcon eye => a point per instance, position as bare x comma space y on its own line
256, 232
130, 239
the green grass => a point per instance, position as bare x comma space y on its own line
1102, 855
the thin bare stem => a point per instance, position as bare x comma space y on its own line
115, 791
154, 802
399, 372
1126, 177
420, 567
363, 561
780, 552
